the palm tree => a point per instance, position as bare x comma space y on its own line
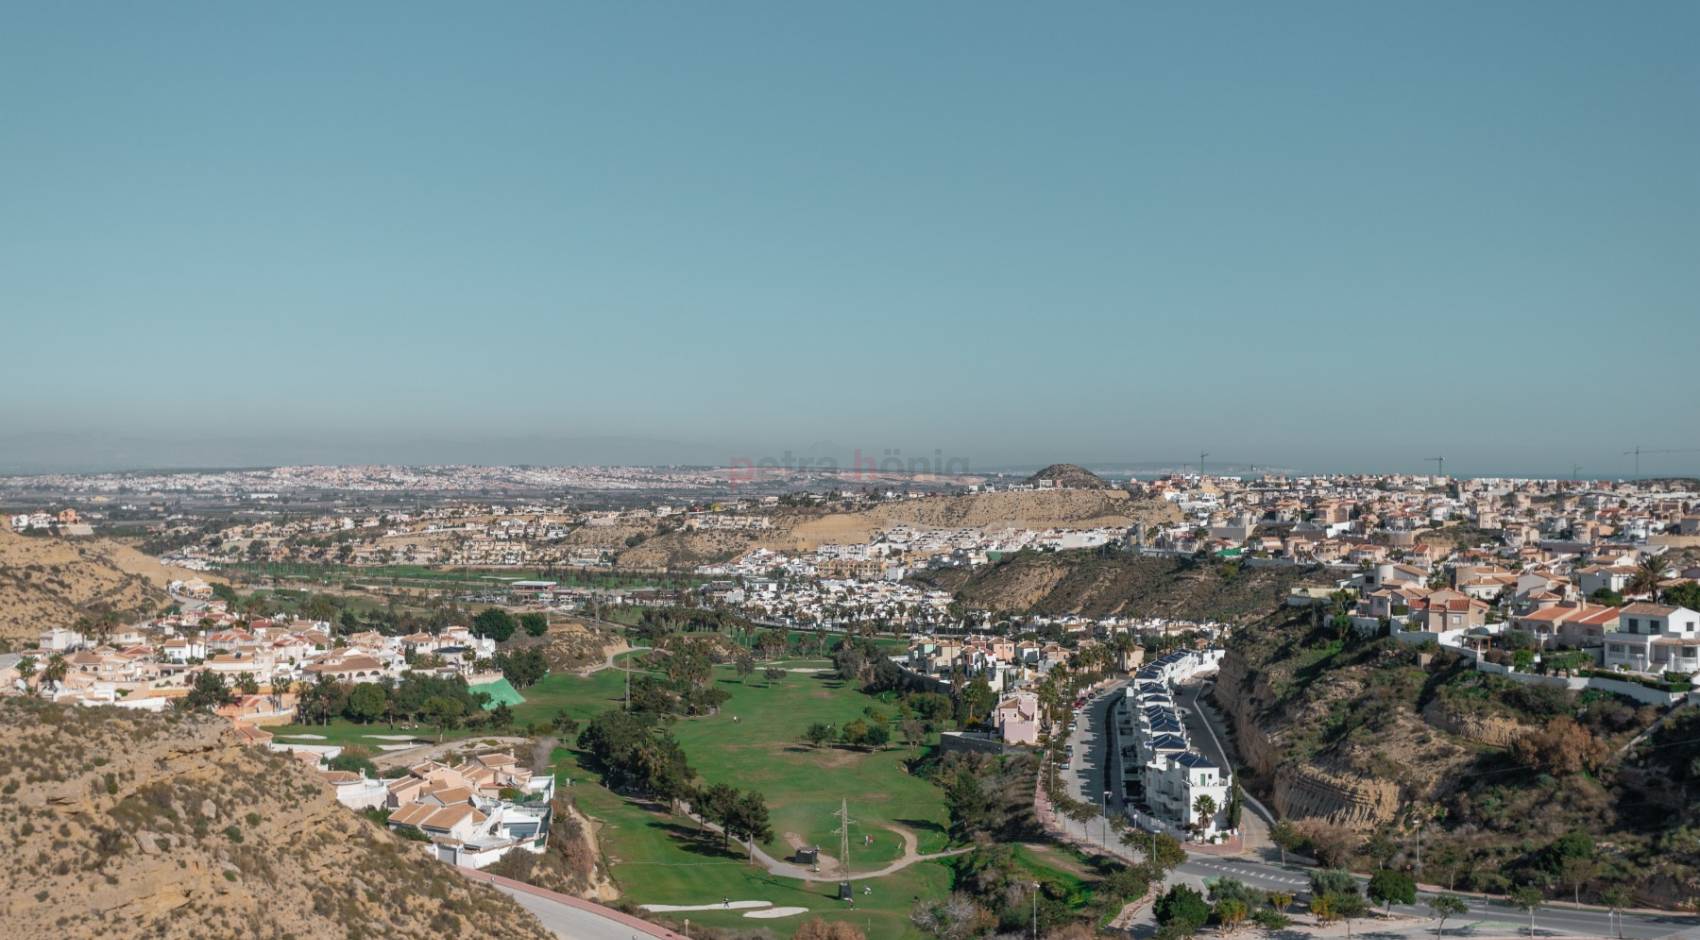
1205, 807
26, 669
1649, 571
56, 670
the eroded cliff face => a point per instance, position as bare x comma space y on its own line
127, 825
1346, 790
1490, 730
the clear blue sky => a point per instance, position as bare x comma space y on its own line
1329, 235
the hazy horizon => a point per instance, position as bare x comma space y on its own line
1324, 235
133, 455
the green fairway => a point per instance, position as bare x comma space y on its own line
756, 742
663, 859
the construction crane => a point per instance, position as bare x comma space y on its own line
1639, 450
1439, 465
1201, 456
1575, 468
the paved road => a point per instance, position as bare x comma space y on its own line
1088, 772
572, 918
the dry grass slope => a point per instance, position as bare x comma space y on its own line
1029, 509
1098, 585
124, 824
47, 582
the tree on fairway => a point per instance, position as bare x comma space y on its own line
818, 734
877, 736
717, 803
443, 713
914, 732
535, 624
366, 702
750, 820
564, 724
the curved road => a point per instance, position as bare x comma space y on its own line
1087, 772
572, 918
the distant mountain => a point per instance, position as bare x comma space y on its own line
1069, 475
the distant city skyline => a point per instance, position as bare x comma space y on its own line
54, 454
1321, 235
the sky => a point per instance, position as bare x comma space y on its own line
1327, 236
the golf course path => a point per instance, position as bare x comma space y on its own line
609, 662
785, 869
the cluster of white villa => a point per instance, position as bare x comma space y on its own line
471, 813
1166, 781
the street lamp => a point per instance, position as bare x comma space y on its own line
1035, 910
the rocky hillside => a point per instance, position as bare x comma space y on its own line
1102, 584
1364, 741
48, 581
665, 546
1029, 509
123, 824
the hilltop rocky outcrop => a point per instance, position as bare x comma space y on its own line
128, 824
1068, 475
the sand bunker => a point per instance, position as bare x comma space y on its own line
778, 912
719, 906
